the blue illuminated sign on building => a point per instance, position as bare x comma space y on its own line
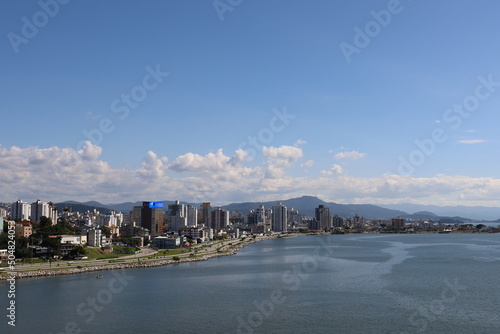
156, 205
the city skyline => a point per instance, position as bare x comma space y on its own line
379, 102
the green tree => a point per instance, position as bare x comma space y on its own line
78, 251
45, 222
129, 241
54, 244
22, 250
4, 241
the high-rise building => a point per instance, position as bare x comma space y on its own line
53, 215
338, 221
323, 217
152, 217
250, 218
398, 223
219, 218
313, 224
119, 218
294, 217
177, 216
135, 215
127, 219
205, 213
20, 210
40, 209
358, 222
192, 216
280, 214
260, 215
177, 209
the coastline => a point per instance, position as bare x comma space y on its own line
143, 264
232, 250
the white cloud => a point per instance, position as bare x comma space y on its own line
349, 155
152, 166
62, 174
472, 141
90, 151
214, 164
307, 164
192, 162
299, 142
335, 170
239, 157
279, 158
283, 153
274, 172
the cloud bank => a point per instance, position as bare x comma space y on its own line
66, 174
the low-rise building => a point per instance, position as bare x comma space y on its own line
133, 230
39, 251
23, 230
166, 243
67, 242
195, 233
71, 239
234, 232
94, 238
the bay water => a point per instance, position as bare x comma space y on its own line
358, 283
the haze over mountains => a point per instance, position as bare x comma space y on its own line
473, 212
307, 204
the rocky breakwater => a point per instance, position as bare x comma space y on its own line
115, 266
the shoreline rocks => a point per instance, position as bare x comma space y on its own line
142, 264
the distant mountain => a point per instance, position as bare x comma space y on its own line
123, 207
306, 205
94, 204
118, 207
129, 206
81, 207
422, 215
364, 210
472, 212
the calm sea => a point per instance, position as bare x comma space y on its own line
428, 283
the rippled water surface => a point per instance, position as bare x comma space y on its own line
427, 283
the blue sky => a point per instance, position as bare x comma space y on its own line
353, 118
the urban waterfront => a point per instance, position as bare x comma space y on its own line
364, 283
